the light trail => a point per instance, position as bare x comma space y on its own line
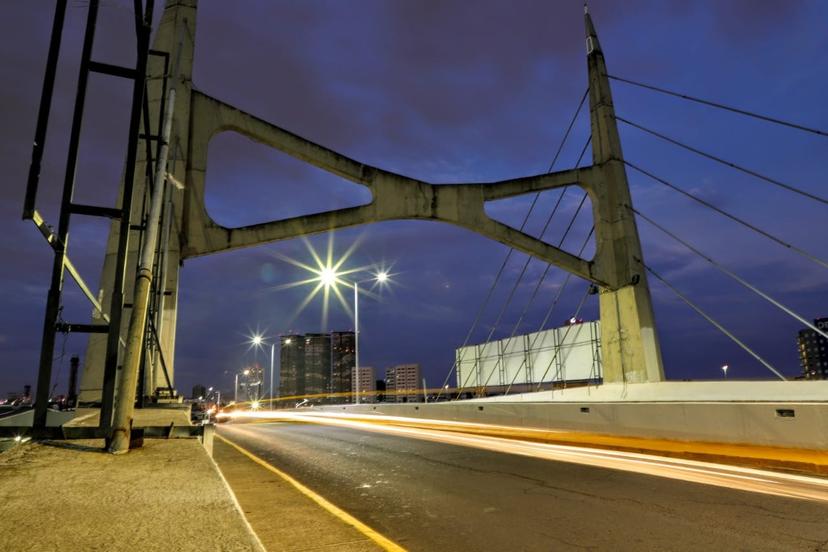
694, 471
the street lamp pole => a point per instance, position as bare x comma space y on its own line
356, 338
329, 277
236, 391
272, 350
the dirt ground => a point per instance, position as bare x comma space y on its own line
70, 495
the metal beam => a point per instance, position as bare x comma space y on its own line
39, 145
95, 211
82, 328
112, 70
47, 349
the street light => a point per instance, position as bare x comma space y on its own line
329, 277
724, 369
381, 278
257, 341
246, 372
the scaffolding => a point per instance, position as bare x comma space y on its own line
131, 225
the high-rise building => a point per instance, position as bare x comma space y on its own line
198, 392
367, 385
402, 378
292, 365
343, 349
813, 351
317, 363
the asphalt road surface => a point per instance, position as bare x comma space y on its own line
435, 496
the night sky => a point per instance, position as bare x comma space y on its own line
444, 91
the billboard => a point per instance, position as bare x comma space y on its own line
568, 353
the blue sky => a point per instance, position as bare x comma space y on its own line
447, 91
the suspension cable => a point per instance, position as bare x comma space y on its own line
722, 106
511, 249
551, 307
538, 285
732, 274
718, 326
511, 292
724, 162
529, 259
563, 340
731, 216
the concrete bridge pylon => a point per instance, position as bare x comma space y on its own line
630, 345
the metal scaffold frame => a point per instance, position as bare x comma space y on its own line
53, 323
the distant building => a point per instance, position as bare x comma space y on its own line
317, 363
367, 384
292, 365
199, 392
343, 349
402, 378
813, 351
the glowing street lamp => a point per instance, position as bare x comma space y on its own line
724, 369
257, 341
327, 274
328, 277
381, 278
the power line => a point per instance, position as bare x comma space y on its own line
731, 216
511, 249
724, 162
730, 273
723, 106
718, 326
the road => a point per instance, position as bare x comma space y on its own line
428, 495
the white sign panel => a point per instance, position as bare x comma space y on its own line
567, 353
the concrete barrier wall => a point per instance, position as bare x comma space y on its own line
756, 423
54, 418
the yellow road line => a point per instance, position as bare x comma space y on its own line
337, 512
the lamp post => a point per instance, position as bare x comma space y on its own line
246, 372
329, 277
724, 369
272, 353
381, 277
257, 341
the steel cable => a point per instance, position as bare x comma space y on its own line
722, 106
511, 249
548, 265
710, 319
732, 217
724, 162
731, 274
550, 309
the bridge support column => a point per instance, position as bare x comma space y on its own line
629, 345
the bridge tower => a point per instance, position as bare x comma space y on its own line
629, 346
629, 343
